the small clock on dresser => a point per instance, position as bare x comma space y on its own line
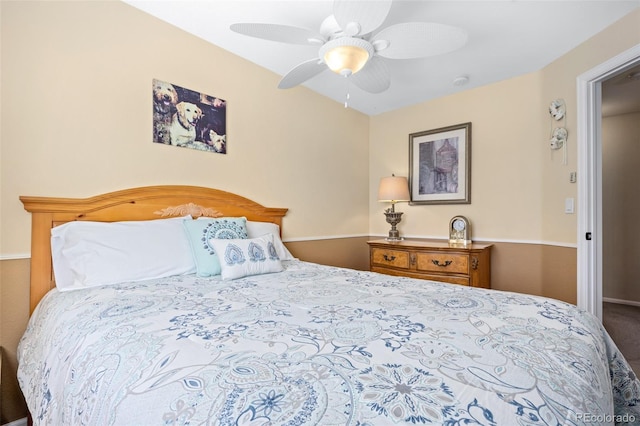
459, 230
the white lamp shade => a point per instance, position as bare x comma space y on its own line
346, 55
393, 189
346, 59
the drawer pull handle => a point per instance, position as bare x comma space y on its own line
388, 258
442, 265
474, 263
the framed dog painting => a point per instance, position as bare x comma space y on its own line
188, 119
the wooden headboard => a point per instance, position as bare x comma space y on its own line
144, 203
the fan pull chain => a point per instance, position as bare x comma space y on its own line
346, 99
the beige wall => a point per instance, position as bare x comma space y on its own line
505, 161
14, 292
559, 81
342, 252
77, 112
518, 184
621, 206
76, 121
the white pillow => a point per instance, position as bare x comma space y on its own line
258, 229
88, 254
243, 257
199, 232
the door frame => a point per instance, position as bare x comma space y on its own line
589, 144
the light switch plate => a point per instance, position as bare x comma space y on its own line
568, 205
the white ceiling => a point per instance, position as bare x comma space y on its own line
506, 39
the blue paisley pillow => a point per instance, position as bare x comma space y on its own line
244, 257
201, 232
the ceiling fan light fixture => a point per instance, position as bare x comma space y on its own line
346, 55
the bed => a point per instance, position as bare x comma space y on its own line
300, 344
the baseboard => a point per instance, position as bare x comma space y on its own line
19, 422
620, 301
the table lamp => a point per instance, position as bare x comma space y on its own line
393, 189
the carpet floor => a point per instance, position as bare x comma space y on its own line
622, 322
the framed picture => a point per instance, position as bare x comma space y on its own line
188, 119
440, 165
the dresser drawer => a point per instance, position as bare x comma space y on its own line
443, 262
393, 258
468, 265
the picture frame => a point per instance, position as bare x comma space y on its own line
440, 165
188, 119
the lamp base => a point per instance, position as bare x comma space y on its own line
393, 218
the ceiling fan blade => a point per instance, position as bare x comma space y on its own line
368, 15
374, 77
276, 32
419, 39
301, 73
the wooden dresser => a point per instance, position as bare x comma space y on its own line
436, 260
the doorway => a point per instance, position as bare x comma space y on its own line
589, 256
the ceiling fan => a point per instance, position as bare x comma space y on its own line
349, 47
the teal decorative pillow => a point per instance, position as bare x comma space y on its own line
251, 256
201, 232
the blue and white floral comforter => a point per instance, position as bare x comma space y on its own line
317, 345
